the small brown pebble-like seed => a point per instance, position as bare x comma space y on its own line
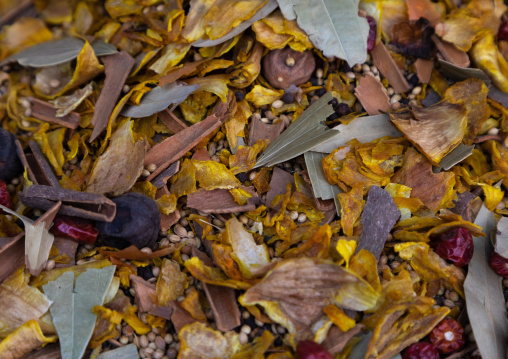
265, 120
383, 260
245, 315
350, 75
124, 340
160, 343
243, 338
54, 83
493, 131
168, 338
454, 296
246, 329
146, 250
184, 222
449, 303
357, 68
319, 73
128, 330
151, 336
180, 230
143, 341
252, 175
396, 106
395, 264
293, 215
158, 354
218, 222
417, 90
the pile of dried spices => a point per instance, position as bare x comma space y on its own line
253, 179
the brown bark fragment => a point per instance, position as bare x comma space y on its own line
12, 255
37, 166
146, 297
278, 183
261, 131
451, 53
46, 112
68, 247
117, 68
424, 70
219, 201
372, 95
161, 180
388, 68
172, 122
180, 317
336, 339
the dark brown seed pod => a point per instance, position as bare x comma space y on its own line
286, 67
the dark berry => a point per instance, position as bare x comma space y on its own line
334, 102
456, 245
447, 336
320, 92
332, 117
499, 264
137, 222
371, 39
307, 349
421, 351
288, 97
80, 230
502, 33
342, 109
145, 272
10, 165
314, 81
242, 176
239, 95
5, 197
414, 80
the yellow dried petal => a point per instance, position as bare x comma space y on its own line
171, 283
346, 249
192, 305
212, 275
260, 95
199, 341
486, 56
23, 340
339, 318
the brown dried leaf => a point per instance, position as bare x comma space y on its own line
372, 95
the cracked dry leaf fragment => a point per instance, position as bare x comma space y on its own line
23, 340
487, 57
295, 292
171, 283
119, 167
434, 130
459, 28
197, 340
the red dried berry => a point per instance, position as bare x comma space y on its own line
499, 264
502, 33
307, 349
79, 230
371, 39
456, 246
447, 336
5, 197
421, 350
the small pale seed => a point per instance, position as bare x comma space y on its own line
350, 75
493, 131
151, 167
277, 104
290, 61
145, 173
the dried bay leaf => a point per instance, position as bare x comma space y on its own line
501, 239
458, 73
49, 53
484, 295
126, 352
102, 48
334, 27
159, 99
72, 307
120, 166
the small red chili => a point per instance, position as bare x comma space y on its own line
499, 264
371, 39
421, 350
447, 336
502, 33
5, 197
79, 230
456, 246
307, 349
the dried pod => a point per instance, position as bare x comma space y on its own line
10, 165
137, 222
281, 73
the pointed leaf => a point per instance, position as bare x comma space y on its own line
72, 307
458, 154
333, 26
501, 242
484, 295
458, 73
159, 99
49, 53
127, 352
102, 48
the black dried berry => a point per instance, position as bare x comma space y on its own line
239, 95
288, 97
137, 222
332, 117
10, 165
342, 109
414, 80
320, 92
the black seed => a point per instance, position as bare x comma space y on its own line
288, 97
145, 272
342, 109
334, 102
10, 165
404, 101
137, 222
414, 80
321, 91
332, 117
242, 177
239, 95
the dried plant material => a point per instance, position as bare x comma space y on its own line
180, 317
336, 339
37, 166
46, 112
341, 33
245, 157
418, 317
486, 56
171, 149
269, 6
212, 275
412, 38
278, 184
459, 28
23, 340
320, 186
473, 94
21, 34
20, 302
424, 70
117, 68
434, 130
12, 255
161, 180
217, 201
173, 123
430, 266
49, 53
302, 135
65, 104
280, 75
38, 240
458, 154
199, 341
17, 10
295, 292
77, 204
351, 207
72, 307
261, 131
434, 190
426, 9
458, 73
171, 283
451, 53
65, 247
125, 352
378, 218
388, 68
120, 166
485, 302
133, 253
372, 95
146, 296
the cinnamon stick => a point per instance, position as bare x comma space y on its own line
372, 95
12, 255
46, 112
172, 122
37, 166
219, 201
145, 296
388, 68
424, 70
260, 131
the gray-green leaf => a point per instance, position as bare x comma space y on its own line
49, 53
462, 73
159, 99
501, 242
333, 26
72, 307
261, 13
484, 295
102, 48
126, 352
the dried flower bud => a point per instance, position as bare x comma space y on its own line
280, 75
